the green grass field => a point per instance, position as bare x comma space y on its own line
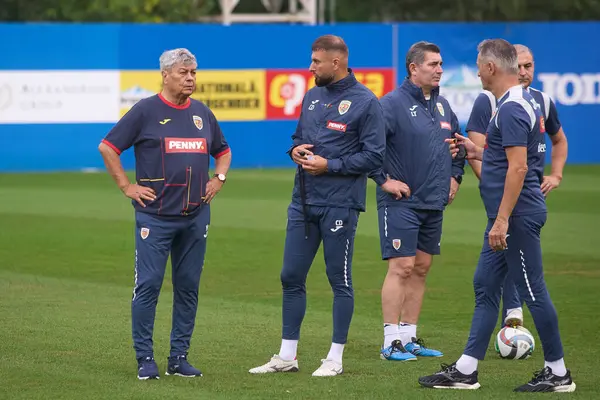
66, 279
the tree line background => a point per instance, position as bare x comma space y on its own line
345, 10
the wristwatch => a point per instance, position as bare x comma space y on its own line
220, 177
458, 178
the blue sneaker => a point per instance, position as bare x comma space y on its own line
179, 365
147, 369
396, 352
417, 347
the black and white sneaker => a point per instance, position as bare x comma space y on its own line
546, 381
450, 378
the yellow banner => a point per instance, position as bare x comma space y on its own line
231, 95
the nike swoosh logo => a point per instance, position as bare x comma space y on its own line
337, 228
164, 121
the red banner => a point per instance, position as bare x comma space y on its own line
286, 88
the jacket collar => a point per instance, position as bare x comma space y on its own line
343, 83
416, 92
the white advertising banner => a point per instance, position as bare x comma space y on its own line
37, 97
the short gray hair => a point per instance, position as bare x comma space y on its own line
521, 48
501, 53
177, 56
416, 53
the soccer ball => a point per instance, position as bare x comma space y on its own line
514, 343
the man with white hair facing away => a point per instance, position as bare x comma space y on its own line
511, 176
173, 137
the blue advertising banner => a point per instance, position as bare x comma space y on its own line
566, 69
62, 96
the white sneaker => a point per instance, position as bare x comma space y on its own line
514, 318
329, 368
276, 364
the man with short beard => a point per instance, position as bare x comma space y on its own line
339, 139
417, 181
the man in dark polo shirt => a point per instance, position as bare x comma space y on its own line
173, 137
484, 107
511, 177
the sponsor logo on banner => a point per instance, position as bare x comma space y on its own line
185, 145
286, 88
237, 95
28, 97
460, 85
571, 89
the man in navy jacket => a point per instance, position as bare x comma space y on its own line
417, 181
339, 139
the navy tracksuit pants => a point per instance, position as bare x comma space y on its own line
184, 238
522, 261
336, 228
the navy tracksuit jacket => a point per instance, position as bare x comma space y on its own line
416, 152
344, 122
351, 139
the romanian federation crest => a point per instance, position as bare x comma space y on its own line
344, 106
396, 243
144, 232
440, 108
198, 122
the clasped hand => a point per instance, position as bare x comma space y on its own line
311, 163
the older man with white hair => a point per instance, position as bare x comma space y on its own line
511, 175
173, 137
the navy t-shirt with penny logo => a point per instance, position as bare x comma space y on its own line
172, 145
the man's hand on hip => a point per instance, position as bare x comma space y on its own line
550, 183
396, 188
139, 193
213, 186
